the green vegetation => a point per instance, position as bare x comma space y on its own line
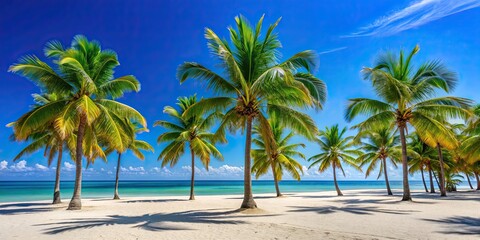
335, 149
184, 130
260, 96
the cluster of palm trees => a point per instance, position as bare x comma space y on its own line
77, 110
262, 97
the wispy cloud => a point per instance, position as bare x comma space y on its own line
416, 14
332, 50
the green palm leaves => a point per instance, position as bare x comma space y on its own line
279, 157
85, 109
379, 146
335, 149
406, 98
185, 131
256, 84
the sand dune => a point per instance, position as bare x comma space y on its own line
357, 215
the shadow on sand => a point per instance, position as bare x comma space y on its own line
459, 225
360, 210
152, 222
26, 208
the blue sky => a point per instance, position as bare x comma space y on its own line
153, 37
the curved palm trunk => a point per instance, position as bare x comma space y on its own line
423, 179
389, 191
115, 196
76, 202
56, 191
192, 181
277, 188
443, 191
468, 179
432, 186
406, 187
339, 193
436, 179
248, 201
478, 181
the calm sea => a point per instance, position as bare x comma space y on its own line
43, 190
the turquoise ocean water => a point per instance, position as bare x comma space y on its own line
42, 190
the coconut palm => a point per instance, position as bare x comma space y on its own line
422, 157
335, 148
470, 148
47, 138
191, 131
380, 145
407, 98
255, 84
84, 75
278, 158
131, 144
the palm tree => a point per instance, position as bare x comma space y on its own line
470, 148
184, 130
422, 157
84, 76
256, 84
381, 144
277, 158
135, 146
335, 149
47, 138
406, 95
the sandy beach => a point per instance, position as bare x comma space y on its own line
360, 214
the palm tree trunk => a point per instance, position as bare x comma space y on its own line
192, 181
432, 186
478, 181
56, 191
406, 187
468, 179
436, 179
443, 192
115, 196
76, 202
339, 193
423, 179
389, 191
248, 201
276, 181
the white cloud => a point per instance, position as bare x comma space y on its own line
41, 167
332, 50
224, 170
20, 166
68, 166
3, 165
416, 14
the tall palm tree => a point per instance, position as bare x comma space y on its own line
380, 145
422, 157
406, 98
84, 75
277, 158
48, 138
191, 131
256, 84
135, 146
335, 148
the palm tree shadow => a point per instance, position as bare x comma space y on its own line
359, 210
151, 222
459, 225
156, 201
26, 208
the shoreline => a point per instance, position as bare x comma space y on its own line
359, 214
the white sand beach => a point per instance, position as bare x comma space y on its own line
360, 214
